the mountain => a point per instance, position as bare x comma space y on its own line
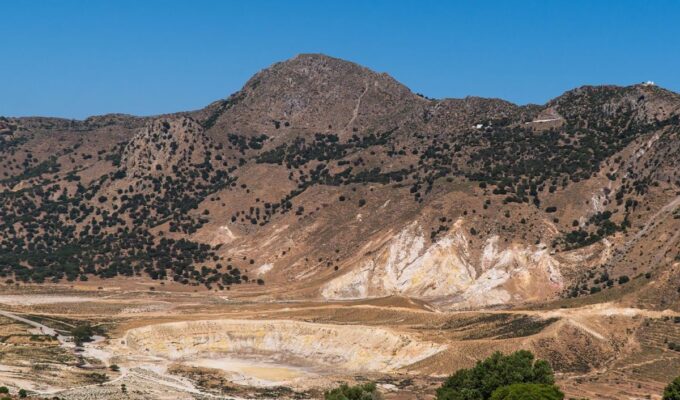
323, 179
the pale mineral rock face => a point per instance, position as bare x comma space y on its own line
447, 271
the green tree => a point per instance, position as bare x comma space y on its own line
367, 391
4, 390
82, 334
23, 393
479, 382
672, 391
527, 391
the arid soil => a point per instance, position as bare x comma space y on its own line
198, 345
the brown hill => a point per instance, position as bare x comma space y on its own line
323, 179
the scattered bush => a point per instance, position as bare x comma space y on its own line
367, 391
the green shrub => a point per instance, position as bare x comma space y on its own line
82, 334
672, 391
527, 391
479, 382
367, 391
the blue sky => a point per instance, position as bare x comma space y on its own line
79, 58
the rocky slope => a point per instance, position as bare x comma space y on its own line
323, 179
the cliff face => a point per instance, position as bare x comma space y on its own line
446, 272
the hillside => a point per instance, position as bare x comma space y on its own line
321, 179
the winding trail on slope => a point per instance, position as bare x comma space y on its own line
355, 112
43, 328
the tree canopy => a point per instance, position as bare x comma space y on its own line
480, 382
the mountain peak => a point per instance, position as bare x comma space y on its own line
315, 93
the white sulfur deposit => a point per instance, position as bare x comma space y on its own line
445, 271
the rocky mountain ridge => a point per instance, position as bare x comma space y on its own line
323, 179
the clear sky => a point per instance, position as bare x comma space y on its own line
79, 58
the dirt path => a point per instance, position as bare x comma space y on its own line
46, 330
148, 375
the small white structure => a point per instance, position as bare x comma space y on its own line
649, 83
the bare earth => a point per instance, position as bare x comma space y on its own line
201, 346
